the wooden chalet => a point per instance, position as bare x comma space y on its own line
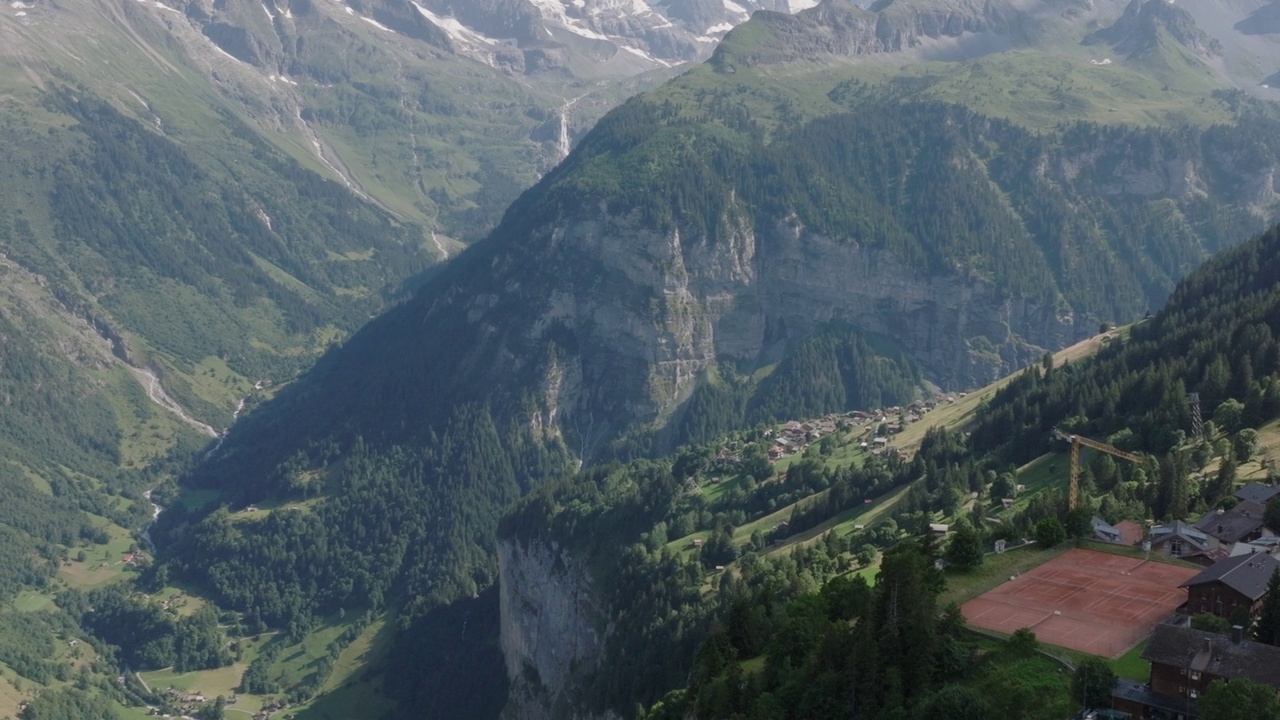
1184, 661
1237, 582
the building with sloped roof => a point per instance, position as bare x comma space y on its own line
1180, 539
1257, 492
1241, 523
1184, 661
1266, 543
1236, 582
1103, 531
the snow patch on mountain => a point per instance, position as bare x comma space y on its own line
625, 36
461, 33
377, 24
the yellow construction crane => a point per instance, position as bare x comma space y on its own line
1073, 490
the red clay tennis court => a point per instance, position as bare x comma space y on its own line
1085, 600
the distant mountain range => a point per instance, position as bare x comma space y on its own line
838, 209
842, 206
166, 164
704, 230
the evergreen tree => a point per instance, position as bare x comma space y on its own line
906, 616
1092, 682
1268, 627
1050, 532
1079, 522
1225, 480
1271, 516
965, 550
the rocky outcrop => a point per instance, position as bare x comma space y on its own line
1138, 30
844, 28
651, 310
553, 630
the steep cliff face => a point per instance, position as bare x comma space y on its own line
655, 309
553, 630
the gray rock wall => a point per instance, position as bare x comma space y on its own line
553, 631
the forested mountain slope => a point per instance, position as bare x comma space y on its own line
703, 231
1215, 338
719, 253
197, 199
612, 578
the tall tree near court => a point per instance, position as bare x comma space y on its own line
1092, 683
965, 550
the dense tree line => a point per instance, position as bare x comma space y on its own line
1216, 338
145, 636
411, 527
128, 197
850, 650
36, 527
62, 703
619, 520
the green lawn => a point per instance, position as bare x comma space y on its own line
715, 492
870, 572
10, 696
30, 601
347, 693
210, 683
356, 699
995, 570
752, 666
102, 563
1131, 665
845, 522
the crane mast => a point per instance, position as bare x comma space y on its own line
1078, 441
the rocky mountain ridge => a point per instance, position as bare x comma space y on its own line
1238, 43
1138, 30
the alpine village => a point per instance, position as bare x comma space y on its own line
680, 360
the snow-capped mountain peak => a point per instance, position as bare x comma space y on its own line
617, 36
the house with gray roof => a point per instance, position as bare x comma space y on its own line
1241, 523
1181, 540
1257, 492
1183, 663
1237, 582
1105, 532
1267, 544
